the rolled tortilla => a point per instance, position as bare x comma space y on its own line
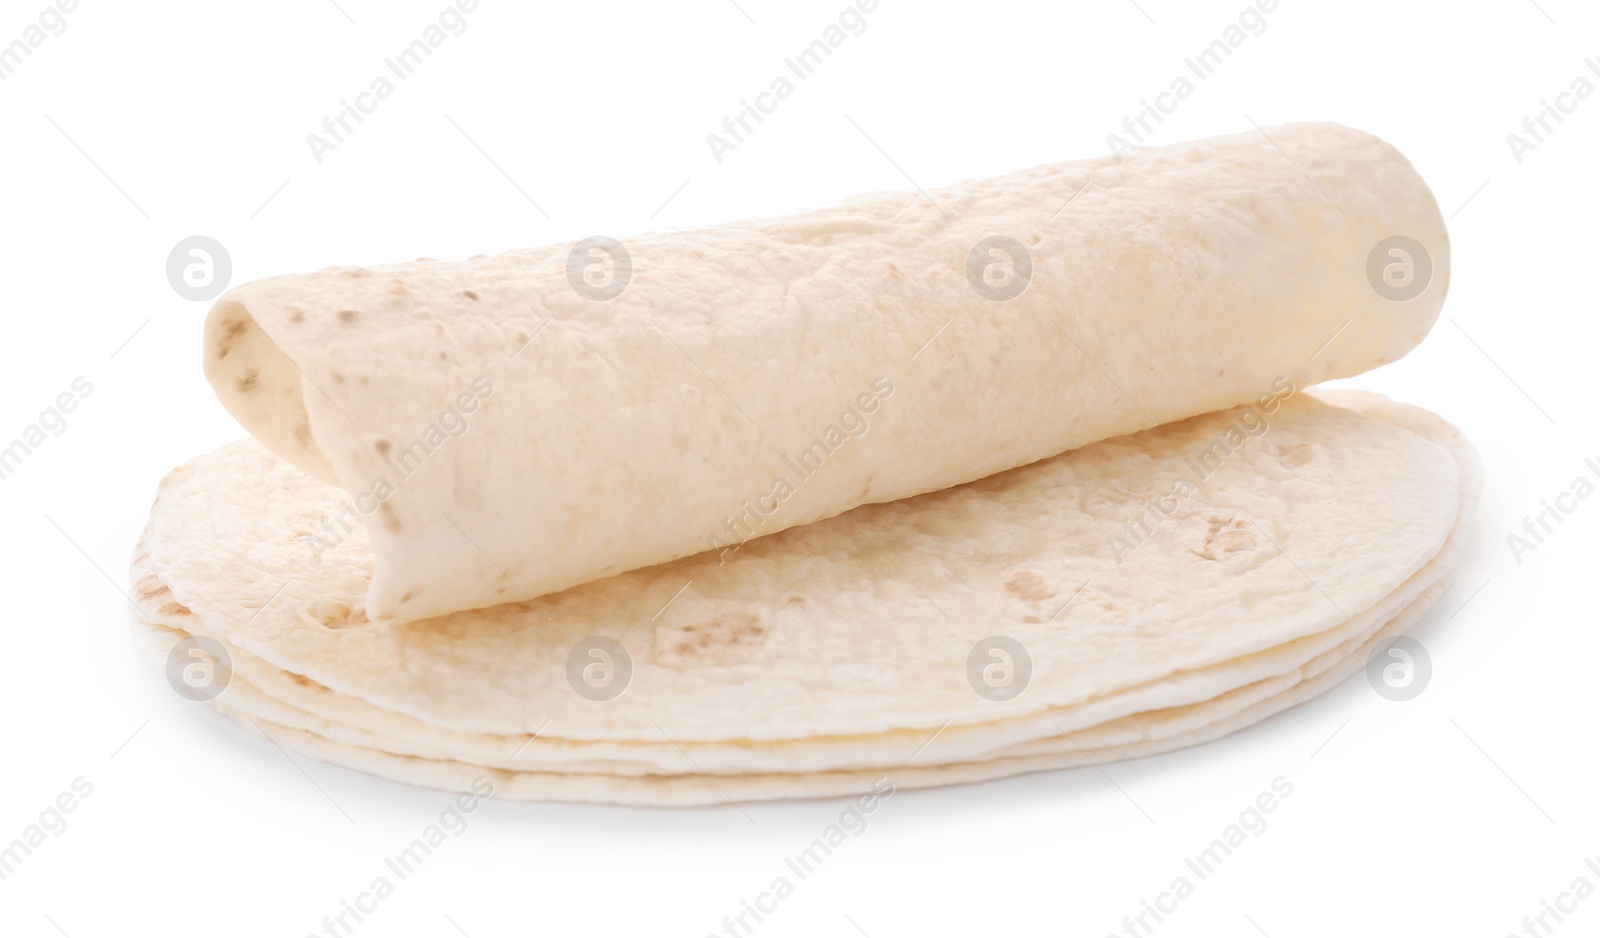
512, 428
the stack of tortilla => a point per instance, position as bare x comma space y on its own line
1015, 475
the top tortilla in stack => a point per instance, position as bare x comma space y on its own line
1163, 587
599, 435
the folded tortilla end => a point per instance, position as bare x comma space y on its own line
261, 386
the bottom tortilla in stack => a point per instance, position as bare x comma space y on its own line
1132, 597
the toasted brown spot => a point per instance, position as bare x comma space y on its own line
174, 609
1029, 586
391, 521
1032, 620
728, 638
302, 435
336, 614
383, 447
470, 294
411, 594
349, 315
338, 377
235, 329
1225, 536
150, 587
355, 621
309, 684
297, 316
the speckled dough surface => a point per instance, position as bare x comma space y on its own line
687, 785
1152, 730
1354, 517
589, 437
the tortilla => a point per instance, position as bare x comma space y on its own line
1366, 506
505, 427
693, 787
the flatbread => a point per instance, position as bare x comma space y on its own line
501, 434
1174, 706
246, 702
693, 787
1262, 555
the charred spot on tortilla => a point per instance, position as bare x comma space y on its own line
232, 330
150, 587
726, 638
335, 614
1225, 536
1029, 586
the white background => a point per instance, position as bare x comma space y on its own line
1456, 813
